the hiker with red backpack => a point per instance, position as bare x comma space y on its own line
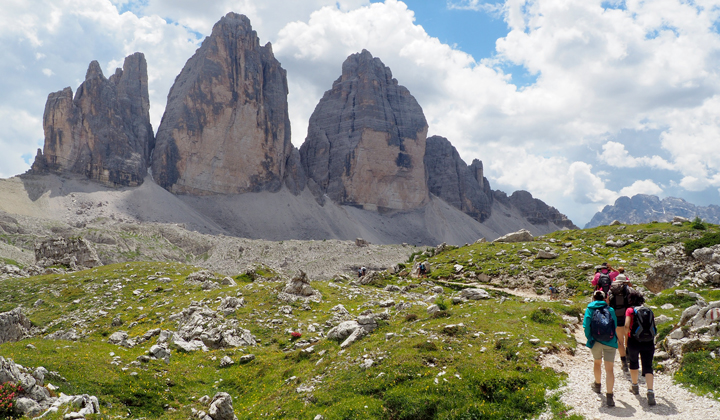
641, 331
600, 325
604, 276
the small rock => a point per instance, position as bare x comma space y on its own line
226, 361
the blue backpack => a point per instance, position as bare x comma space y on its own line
602, 326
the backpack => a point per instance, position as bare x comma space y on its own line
618, 296
644, 325
602, 326
604, 283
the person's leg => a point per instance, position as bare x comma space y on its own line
609, 376
597, 370
647, 353
633, 355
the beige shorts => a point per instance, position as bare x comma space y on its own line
601, 351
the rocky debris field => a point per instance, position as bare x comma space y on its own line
37, 246
163, 337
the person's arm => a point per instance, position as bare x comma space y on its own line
586, 324
595, 279
629, 313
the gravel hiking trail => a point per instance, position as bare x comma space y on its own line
673, 401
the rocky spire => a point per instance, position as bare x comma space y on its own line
452, 180
226, 127
366, 140
104, 132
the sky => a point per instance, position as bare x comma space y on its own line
576, 101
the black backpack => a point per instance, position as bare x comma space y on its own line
644, 325
602, 326
604, 283
618, 296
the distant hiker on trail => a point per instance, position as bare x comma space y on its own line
620, 291
604, 276
423, 269
600, 324
360, 272
363, 271
641, 331
554, 292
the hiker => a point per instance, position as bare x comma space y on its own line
554, 292
604, 276
359, 272
423, 270
600, 324
618, 300
641, 331
363, 271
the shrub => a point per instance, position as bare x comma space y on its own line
427, 346
411, 317
440, 314
441, 303
707, 240
698, 224
8, 391
543, 316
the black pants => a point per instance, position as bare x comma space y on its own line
644, 351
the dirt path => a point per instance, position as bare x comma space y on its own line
515, 292
673, 401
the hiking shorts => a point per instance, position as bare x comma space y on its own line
621, 319
637, 351
601, 351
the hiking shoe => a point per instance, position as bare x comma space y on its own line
625, 366
611, 402
635, 389
596, 387
651, 398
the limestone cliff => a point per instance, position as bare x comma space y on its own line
226, 127
103, 132
366, 140
451, 179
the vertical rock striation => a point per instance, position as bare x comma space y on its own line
366, 140
451, 179
226, 127
104, 132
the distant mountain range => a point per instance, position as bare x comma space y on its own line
643, 208
223, 147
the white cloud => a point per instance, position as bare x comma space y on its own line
646, 186
614, 154
47, 72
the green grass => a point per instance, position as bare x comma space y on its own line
701, 371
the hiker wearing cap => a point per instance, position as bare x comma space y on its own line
618, 300
600, 324
604, 277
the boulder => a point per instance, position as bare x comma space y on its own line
366, 140
200, 328
522, 235
226, 128
661, 275
299, 289
27, 407
475, 294
104, 132
14, 326
548, 255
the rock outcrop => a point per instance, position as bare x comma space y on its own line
104, 132
226, 127
451, 179
14, 326
643, 208
70, 252
366, 140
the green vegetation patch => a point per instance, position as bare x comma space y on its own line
707, 240
700, 370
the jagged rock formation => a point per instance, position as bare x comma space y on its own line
366, 140
643, 208
104, 132
452, 180
14, 326
226, 128
534, 210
